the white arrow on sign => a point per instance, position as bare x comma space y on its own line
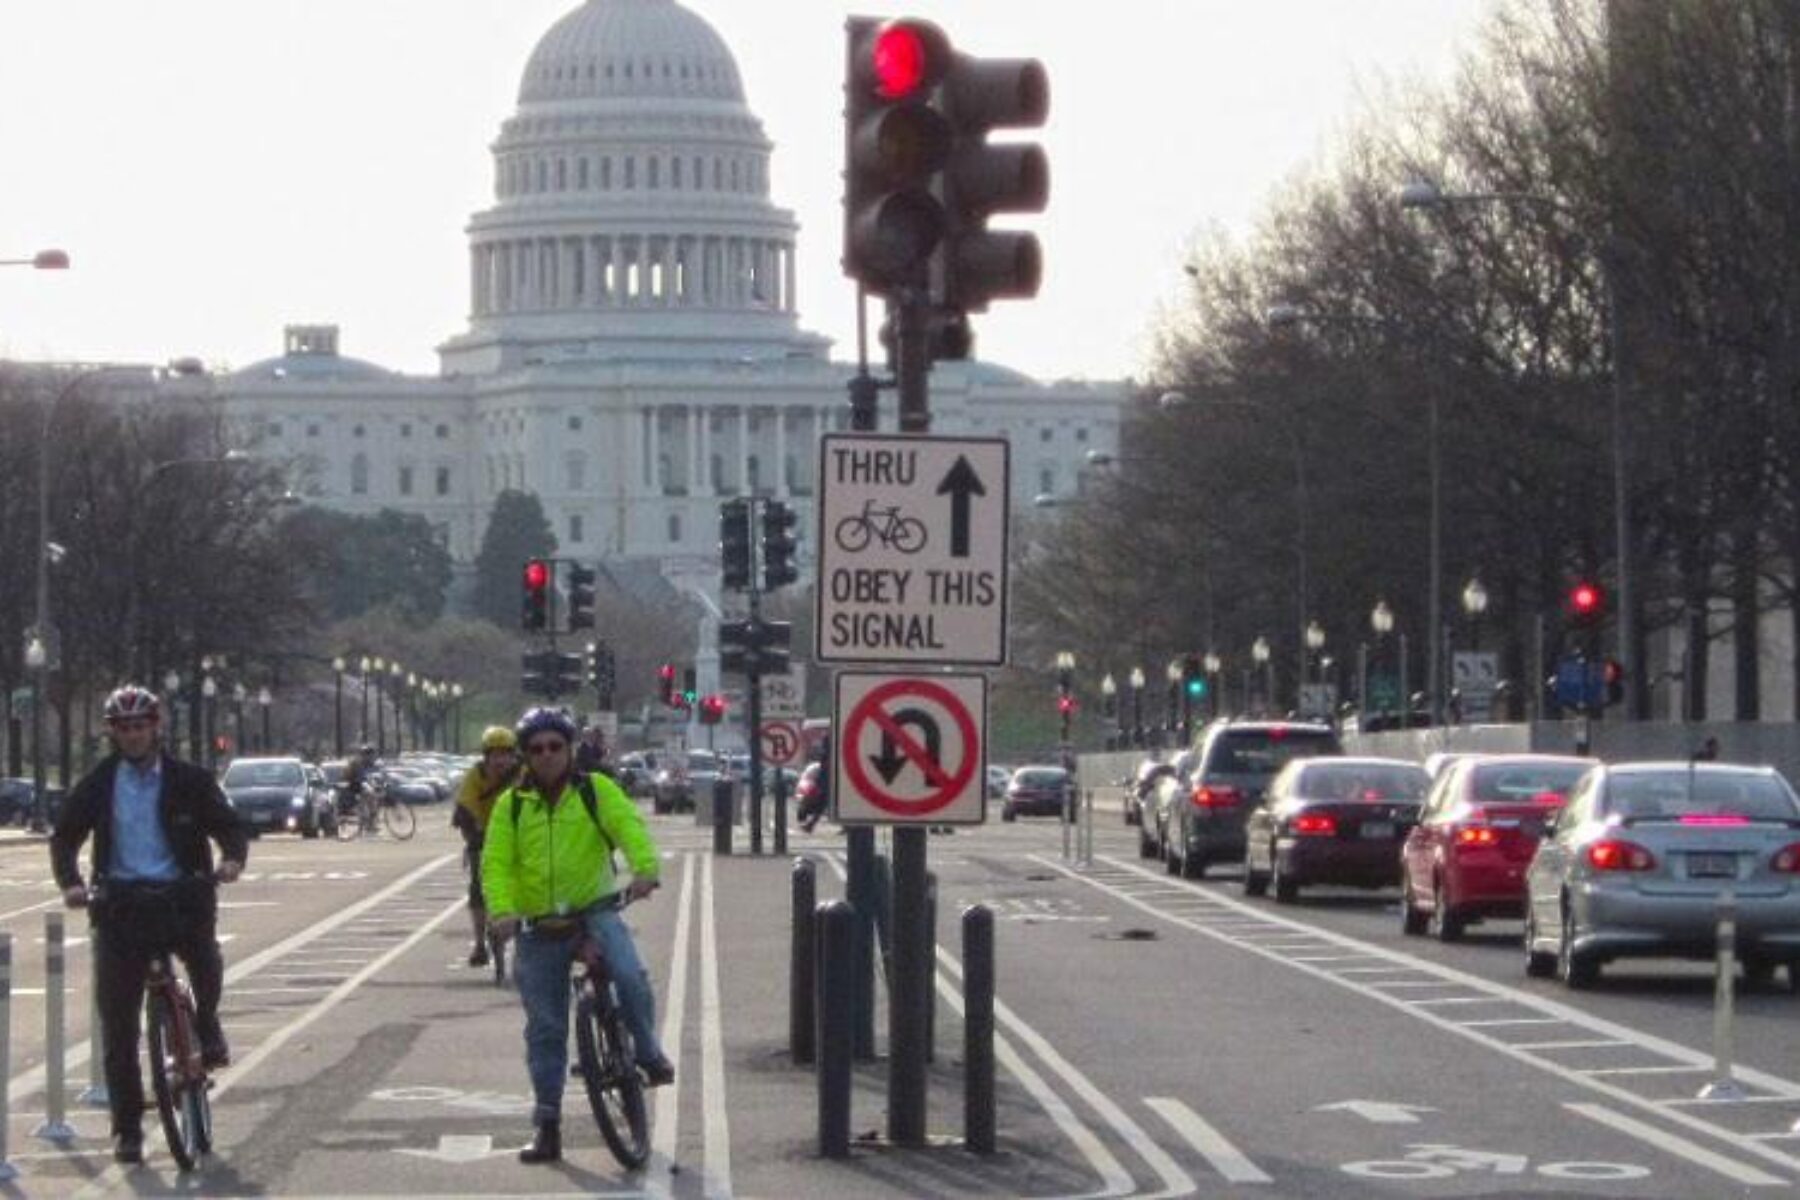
458, 1148
1381, 1112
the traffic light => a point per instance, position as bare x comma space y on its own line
1614, 674
734, 545
550, 673
895, 144
1193, 679
712, 709
754, 647
1065, 705
778, 545
689, 691
665, 680
978, 96
578, 582
1585, 603
565, 670
537, 596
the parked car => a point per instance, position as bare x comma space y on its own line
1332, 820
16, 799
279, 795
1465, 860
1139, 787
997, 779
1635, 864
1035, 792
1200, 812
683, 776
634, 771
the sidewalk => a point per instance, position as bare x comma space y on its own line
14, 837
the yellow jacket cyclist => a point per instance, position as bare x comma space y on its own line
549, 854
475, 797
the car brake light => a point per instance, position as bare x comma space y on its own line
1787, 859
1548, 798
1615, 855
1714, 819
1477, 835
1208, 795
1313, 824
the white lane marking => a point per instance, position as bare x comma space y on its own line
1459, 1000
1675, 1070
659, 1177
53, 902
308, 989
1597, 1043
717, 1177
1681, 1147
1176, 1182
1226, 1158
1512, 1021
25, 1083
1569, 1015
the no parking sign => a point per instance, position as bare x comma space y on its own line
910, 749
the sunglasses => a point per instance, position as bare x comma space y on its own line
546, 747
131, 725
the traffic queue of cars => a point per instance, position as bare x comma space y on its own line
286, 794
1600, 861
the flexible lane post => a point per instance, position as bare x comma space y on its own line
1087, 827
56, 1126
1068, 821
1723, 1085
805, 892
978, 1028
836, 1015
7, 1170
931, 915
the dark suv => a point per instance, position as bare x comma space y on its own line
1201, 810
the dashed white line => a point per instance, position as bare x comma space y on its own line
1681, 1147
1226, 1158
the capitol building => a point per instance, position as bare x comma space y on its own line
634, 351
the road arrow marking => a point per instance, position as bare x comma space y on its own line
459, 1148
1381, 1112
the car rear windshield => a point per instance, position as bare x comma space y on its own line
1365, 782
1525, 783
1643, 796
1264, 752
242, 774
1039, 778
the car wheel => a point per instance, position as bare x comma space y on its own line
1286, 887
1146, 847
1538, 963
1412, 921
1171, 864
1446, 922
1577, 971
1007, 813
1759, 972
1256, 882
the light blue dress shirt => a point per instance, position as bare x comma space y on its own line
140, 849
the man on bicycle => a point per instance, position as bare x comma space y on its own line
357, 777
151, 817
498, 767
549, 855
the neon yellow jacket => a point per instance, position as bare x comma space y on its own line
555, 858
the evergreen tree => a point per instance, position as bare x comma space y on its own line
517, 529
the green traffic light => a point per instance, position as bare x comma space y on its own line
1196, 689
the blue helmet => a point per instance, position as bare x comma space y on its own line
540, 720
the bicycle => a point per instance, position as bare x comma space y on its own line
884, 525
376, 805
608, 1059
179, 1080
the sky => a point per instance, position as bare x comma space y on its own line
217, 169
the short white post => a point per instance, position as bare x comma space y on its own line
94, 1094
1723, 1086
56, 1127
1087, 827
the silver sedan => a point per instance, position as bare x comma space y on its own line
1639, 859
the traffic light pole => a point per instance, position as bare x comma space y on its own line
754, 716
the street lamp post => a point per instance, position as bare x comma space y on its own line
1137, 706
1259, 654
1109, 703
1214, 666
1425, 195
379, 667
1475, 603
37, 661
337, 706
265, 700
456, 695
1172, 673
209, 691
1381, 620
396, 681
238, 695
172, 691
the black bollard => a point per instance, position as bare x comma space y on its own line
859, 854
931, 911
721, 815
800, 964
978, 1028
835, 1002
909, 992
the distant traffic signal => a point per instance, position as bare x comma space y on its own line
537, 595
1614, 673
734, 545
712, 709
754, 647
690, 690
578, 584
665, 684
778, 545
1585, 603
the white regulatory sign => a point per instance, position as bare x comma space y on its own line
912, 549
784, 696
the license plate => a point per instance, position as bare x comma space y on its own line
1712, 866
1378, 829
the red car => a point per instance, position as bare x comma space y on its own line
1465, 860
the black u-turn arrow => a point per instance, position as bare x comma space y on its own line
893, 757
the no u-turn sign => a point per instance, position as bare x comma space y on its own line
909, 749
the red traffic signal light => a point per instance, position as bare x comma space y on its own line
903, 58
1065, 705
537, 595
1586, 602
665, 678
712, 709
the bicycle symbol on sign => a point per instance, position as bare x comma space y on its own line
884, 525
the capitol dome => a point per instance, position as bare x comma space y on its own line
631, 48
632, 216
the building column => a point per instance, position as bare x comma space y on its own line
789, 301
704, 485
743, 414
642, 257
653, 431
693, 449
619, 277
781, 479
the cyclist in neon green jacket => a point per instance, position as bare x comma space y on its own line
548, 857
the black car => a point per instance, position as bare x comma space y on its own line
279, 795
16, 801
1035, 792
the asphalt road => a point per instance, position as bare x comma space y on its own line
1156, 1037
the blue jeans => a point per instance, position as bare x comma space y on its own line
542, 969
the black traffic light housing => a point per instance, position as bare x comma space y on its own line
755, 647
778, 545
578, 589
550, 673
665, 684
538, 583
735, 563
690, 691
602, 676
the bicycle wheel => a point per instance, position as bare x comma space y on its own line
615, 1090
852, 534
172, 1106
349, 824
909, 535
397, 815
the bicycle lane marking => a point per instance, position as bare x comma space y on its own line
712, 1044
1114, 1178
1421, 1009
659, 1172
